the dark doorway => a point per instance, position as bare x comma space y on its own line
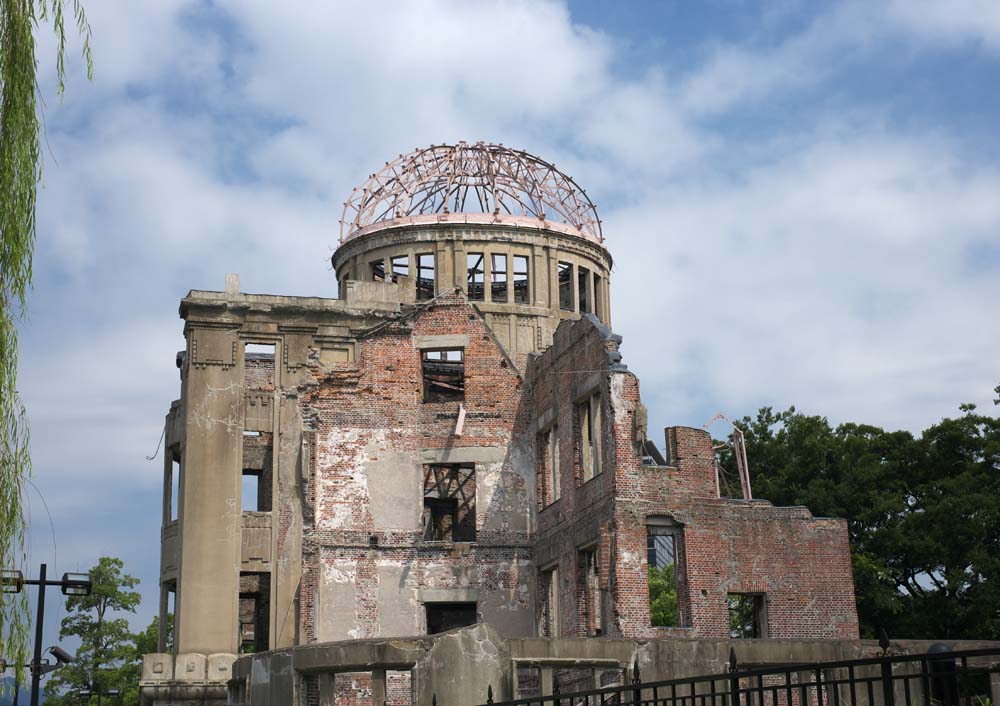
442, 617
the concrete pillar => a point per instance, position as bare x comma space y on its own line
378, 687
546, 681
327, 690
210, 524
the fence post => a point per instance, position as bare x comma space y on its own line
888, 690
636, 683
734, 682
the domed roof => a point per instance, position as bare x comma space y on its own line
482, 183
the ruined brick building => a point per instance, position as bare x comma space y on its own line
454, 440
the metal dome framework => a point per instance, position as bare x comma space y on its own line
444, 183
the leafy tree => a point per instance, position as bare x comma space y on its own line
663, 596
921, 512
20, 171
107, 656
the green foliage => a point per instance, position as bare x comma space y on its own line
663, 596
922, 514
20, 171
108, 657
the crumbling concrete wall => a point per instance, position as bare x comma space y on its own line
370, 571
799, 564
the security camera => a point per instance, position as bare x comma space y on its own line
61, 655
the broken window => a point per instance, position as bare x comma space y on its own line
444, 375
661, 555
522, 294
450, 502
254, 611
498, 277
549, 592
548, 454
582, 275
747, 615
258, 366
174, 488
400, 266
256, 490
442, 617
589, 593
425, 276
477, 275
565, 276
598, 299
378, 270
589, 415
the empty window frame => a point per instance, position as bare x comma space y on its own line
522, 290
477, 275
747, 615
257, 483
444, 375
450, 502
425, 276
442, 617
589, 446
400, 265
498, 277
378, 270
258, 366
565, 276
254, 611
598, 298
174, 488
548, 626
548, 453
589, 592
582, 287
661, 554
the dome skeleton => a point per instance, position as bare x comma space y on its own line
503, 182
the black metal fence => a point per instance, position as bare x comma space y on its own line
961, 678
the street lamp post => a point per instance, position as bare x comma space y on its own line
85, 694
13, 581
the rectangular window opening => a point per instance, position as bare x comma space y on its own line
589, 413
378, 270
255, 495
747, 615
589, 580
565, 277
522, 292
582, 277
498, 277
442, 617
444, 375
598, 298
425, 276
400, 267
251, 491
477, 275
254, 611
661, 557
258, 366
175, 487
548, 452
450, 502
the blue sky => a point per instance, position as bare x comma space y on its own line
802, 200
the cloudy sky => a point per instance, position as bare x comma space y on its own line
802, 200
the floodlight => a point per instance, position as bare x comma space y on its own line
11, 581
61, 655
76, 584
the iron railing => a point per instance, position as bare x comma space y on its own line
961, 678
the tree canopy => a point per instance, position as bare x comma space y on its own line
109, 656
922, 514
20, 172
